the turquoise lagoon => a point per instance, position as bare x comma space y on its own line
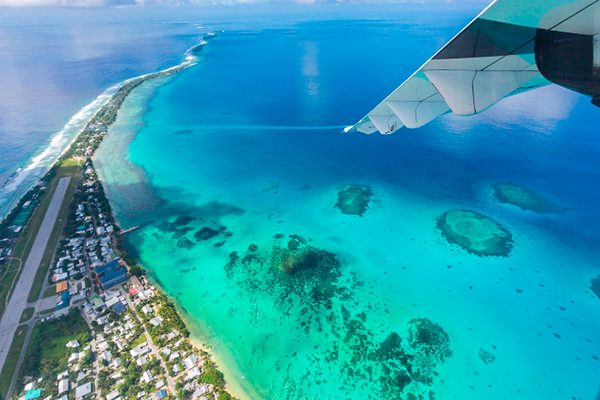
247, 143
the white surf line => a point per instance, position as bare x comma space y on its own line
61, 141
18, 301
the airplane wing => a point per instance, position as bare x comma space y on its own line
511, 47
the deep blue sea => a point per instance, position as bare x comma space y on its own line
248, 143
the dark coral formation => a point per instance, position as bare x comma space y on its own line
429, 346
178, 227
475, 233
185, 243
595, 286
486, 356
310, 286
354, 199
206, 233
525, 199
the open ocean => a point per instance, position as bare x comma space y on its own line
247, 143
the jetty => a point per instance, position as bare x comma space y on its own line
130, 230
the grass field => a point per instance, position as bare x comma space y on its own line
72, 171
51, 291
11, 360
27, 237
27, 314
46, 352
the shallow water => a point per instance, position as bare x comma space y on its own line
328, 330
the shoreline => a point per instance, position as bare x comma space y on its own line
107, 115
101, 100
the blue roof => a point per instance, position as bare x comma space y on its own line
64, 300
111, 274
119, 308
161, 394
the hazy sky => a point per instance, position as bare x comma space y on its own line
111, 3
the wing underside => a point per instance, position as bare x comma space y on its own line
493, 57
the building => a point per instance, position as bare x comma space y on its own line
83, 390
97, 303
64, 301
147, 377
61, 287
136, 285
110, 274
119, 308
161, 394
63, 386
190, 362
147, 309
156, 321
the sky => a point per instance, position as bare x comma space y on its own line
116, 3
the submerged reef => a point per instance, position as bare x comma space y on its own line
329, 304
595, 286
525, 199
206, 233
354, 199
475, 233
486, 356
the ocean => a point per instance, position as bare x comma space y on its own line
234, 169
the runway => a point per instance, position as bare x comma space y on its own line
18, 301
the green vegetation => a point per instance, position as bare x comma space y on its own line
27, 314
12, 359
136, 270
45, 355
49, 292
24, 240
73, 172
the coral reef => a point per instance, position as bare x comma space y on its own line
475, 233
595, 286
206, 233
525, 199
486, 356
313, 291
354, 199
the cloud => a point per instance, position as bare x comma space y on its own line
114, 3
65, 3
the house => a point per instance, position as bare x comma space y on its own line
141, 361
73, 344
147, 309
161, 394
160, 384
193, 373
190, 362
156, 321
112, 395
119, 308
83, 390
139, 350
147, 377
106, 356
63, 386
136, 285
110, 274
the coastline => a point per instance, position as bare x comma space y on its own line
33, 163
107, 115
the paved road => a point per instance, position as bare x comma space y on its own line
18, 301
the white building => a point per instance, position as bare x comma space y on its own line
63, 386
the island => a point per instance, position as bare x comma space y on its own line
95, 325
475, 233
